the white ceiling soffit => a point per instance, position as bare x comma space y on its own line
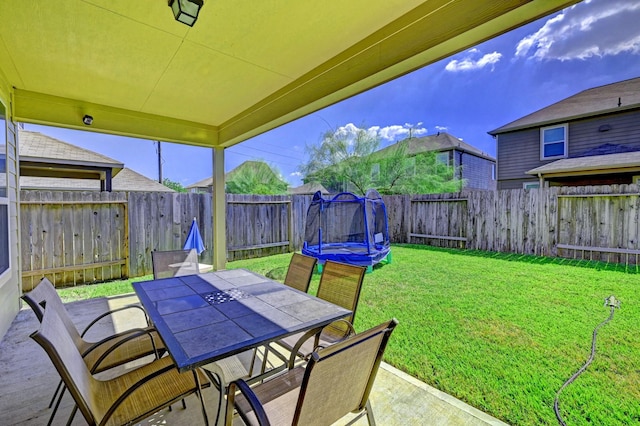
244, 68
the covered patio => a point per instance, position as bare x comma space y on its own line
128, 68
29, 380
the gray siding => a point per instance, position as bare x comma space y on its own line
477, 171
515, 183
584, 134
519, 151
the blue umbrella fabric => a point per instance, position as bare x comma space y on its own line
194, 239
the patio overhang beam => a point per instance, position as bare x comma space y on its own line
38, 108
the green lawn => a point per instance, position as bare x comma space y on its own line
503, 332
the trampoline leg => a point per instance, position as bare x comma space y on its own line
320, 268
369, 269
388, 257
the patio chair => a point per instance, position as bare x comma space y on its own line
173, 263
109, 352
340, 284
124, 399
300, 271
336, 381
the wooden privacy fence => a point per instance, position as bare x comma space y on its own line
73, 237
258, 226
78, 237
587, 222
161, 221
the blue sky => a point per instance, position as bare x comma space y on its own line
590, 44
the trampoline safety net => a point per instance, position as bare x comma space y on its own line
347, 228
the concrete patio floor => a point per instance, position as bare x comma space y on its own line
28, 378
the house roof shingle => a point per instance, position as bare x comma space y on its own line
39, 151
308, 188
442, 141
620, 96
40, 148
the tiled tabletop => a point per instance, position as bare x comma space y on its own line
207, 317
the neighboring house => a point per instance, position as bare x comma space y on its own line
474, 166
308, 188
248, 168
204, 185
49, 163
591, 138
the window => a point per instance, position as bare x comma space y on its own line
442, 158
375, 172
553, 142
4, 201
531, 185
410, 166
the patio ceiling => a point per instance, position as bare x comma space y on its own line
244, 68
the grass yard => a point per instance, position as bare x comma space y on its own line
502, 332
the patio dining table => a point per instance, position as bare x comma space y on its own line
207, 317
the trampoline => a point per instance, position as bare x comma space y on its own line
348, 229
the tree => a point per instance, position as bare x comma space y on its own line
420, 174
176, 186
351, 157
342, 157
255, 177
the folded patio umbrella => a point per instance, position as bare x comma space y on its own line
194, 239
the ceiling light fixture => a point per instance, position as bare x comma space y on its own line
186, 11
87, 119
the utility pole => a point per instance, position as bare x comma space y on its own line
159, 150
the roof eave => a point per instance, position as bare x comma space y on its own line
559, 120
78, 163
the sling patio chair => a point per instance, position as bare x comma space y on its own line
336, 381
300, 271
112, 351
298, 276
340, 284
125, 399
173, 263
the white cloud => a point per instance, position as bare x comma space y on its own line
295, 174
473, 61
388, 133
395, 132
442, 128
591, 28
349, 129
